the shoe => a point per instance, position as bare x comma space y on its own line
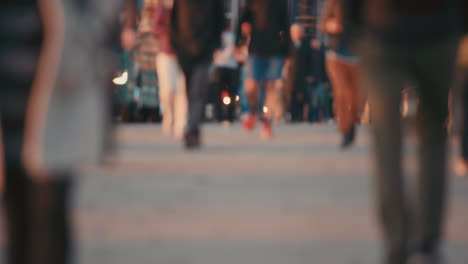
461, 167
266, 133
192, 140
249, 122
348, 138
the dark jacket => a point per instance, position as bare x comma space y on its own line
317, 66
409, 21
270, 27
20, 41
196, 27
300, 68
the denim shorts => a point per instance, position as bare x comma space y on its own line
263, 68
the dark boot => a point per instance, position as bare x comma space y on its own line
348, 138
192, 140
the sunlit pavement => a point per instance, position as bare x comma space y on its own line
296, 199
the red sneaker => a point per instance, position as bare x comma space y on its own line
267, 132
249, 122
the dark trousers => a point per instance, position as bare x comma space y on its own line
464, 136
297, 104
226, 82
197, 78
386, 69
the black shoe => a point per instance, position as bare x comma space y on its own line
348, 138
192, 140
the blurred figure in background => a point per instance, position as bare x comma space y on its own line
319, 105
226, 76
242, 54
409, 41
196, 28
267, 50
172, 89
298, 73
54, 116
342, 68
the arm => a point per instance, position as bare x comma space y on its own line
53, 19
327, 12
246, 17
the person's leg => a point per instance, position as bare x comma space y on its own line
272, 73
244, 104
464, 135
14, 95
215, 96
50, 220
198, 82
337, 73
356, 94
295, 106
252, 95
383, 77
232, 83
180, 104
255, 73
166, 80
434, 71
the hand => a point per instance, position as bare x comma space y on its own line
216, 54
333, 26
128, 38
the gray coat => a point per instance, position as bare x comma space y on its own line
67, 121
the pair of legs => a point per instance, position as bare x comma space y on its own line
265, 70
298, 102
411, 225
172, 93
196, 73
318, 111
347, 95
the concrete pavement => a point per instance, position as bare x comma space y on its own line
297, 199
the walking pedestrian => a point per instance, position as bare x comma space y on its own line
269, 45
343, 70
461, 166
401, 42
298, 73
196, 28
172, 88
242, 53
319, 109
226, 77
53, 117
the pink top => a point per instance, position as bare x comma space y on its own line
161, 27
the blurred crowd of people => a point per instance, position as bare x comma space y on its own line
273, 68
57, 57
